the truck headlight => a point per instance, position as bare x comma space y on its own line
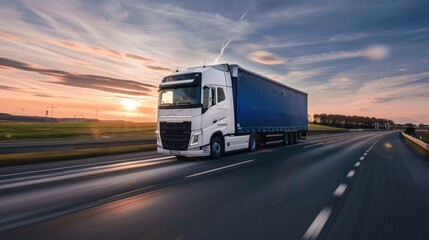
194, 139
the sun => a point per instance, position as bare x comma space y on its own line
129, 104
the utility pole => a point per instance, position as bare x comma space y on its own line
52, 112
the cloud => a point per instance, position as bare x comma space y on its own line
96, 82
8, 88
348, 37
137, 57
265, 57
422, 95
373, 52
385, 99
159, 69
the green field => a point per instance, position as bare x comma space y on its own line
424, 134
318, 127
49, 131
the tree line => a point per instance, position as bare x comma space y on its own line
345, 121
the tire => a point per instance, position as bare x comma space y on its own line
298, 137
295, 138
253, 143
216, 147
290, 135
286, 139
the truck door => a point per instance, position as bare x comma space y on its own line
209, 110
222, 106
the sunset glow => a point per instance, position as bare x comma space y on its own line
81, 56
130, 104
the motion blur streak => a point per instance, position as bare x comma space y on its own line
280, 195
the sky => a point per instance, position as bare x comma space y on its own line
106, 58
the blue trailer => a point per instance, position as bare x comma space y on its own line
262, 105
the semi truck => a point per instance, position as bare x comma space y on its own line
210, 110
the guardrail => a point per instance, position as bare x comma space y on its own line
417, 141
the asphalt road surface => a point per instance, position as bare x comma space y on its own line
357, 185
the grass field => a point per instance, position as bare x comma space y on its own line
318, 127
22, 158
48, 131
424, 134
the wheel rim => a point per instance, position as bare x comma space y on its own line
216, 148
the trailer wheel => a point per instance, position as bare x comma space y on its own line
295, 138
286, 139
253, 143
216, 147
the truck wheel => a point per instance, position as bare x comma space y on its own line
253, 143
295, 138
298, 136
216, 148
286, 139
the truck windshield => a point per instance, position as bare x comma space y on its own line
180, 97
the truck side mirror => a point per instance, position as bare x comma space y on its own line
206, 98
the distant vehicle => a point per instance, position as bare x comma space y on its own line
209, 110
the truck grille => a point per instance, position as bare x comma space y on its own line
175, 135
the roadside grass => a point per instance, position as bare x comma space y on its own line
319, 127
423, 152
35, 157
80, 131
424, 134
17, 132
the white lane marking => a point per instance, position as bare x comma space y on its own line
312, 145
88, 164
87, 173
351, 174
362, 158
340, 190
357, 164
365, 154
217, 169
318, 224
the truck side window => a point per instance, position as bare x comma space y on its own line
220, 95
206, 98
213, 96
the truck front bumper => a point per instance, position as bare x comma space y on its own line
189, 153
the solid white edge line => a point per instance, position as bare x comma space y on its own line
318, 224
357, 164
312, 145
351, 174
144, 158
74, 175
217, 169
340, 190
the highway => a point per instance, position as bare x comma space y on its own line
354, 185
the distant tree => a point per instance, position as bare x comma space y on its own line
410, 130
421, 125
409, 125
